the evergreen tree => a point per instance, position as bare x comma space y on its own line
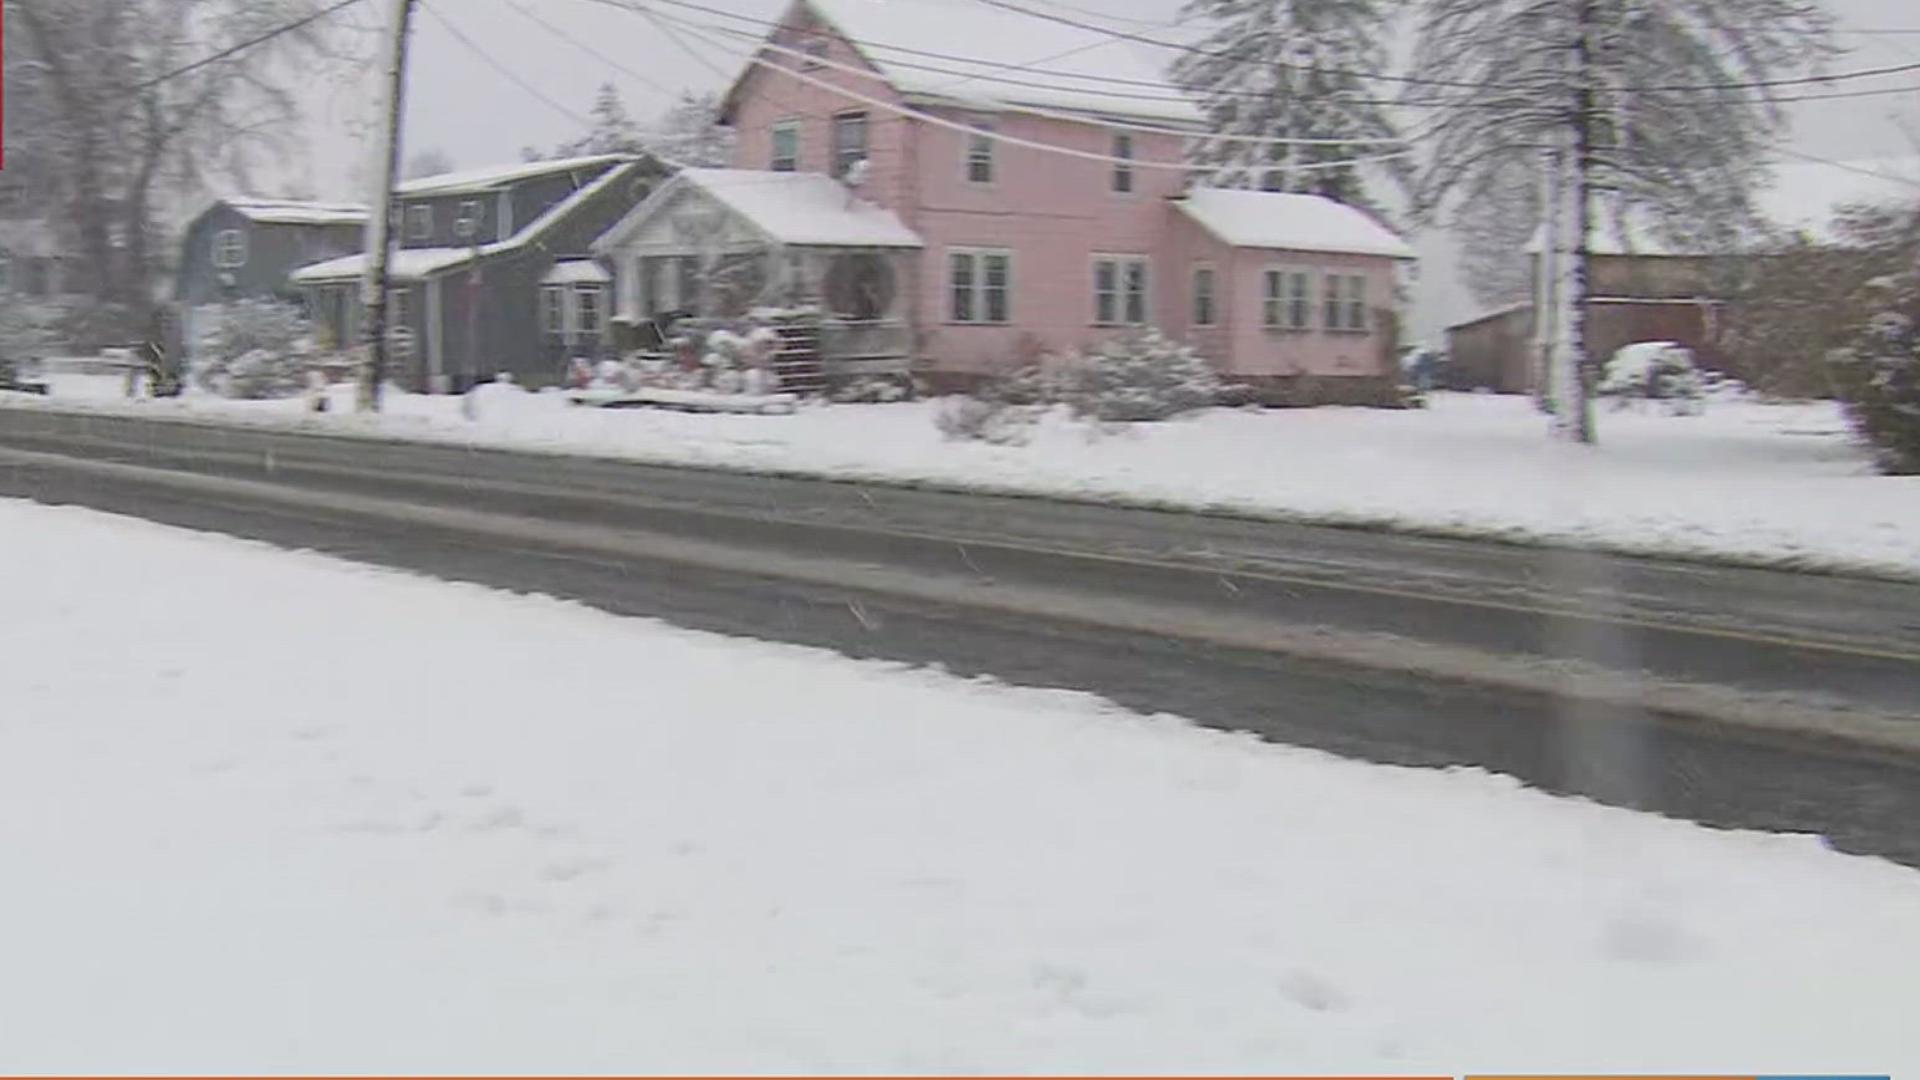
690, 132
613, 130
1288, 69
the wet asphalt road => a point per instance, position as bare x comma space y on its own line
1197, 615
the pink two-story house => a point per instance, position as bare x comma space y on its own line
971, 216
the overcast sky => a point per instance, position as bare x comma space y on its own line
461, 105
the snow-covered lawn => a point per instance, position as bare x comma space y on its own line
1768, 483
265, 811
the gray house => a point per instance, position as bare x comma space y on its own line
493, 270
249, 248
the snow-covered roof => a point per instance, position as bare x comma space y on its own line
1282, 220
479, 180
1804, 194
415, 263
807, 209
999, 45
577, 272
293, 212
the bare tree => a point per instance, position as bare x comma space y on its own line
1670, 109
114, 108
690, 132
429, 162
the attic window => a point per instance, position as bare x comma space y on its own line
229, 249
816, 50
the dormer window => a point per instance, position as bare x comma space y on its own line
419, 222
467, 225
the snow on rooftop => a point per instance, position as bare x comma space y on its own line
576, 272
1609, 235
416, 263
803, 208
894, 34
296, 212
1272, 219
485, 179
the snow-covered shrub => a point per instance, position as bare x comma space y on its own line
26, 334
1653, 371
873, 389
985, 419
254, 349
1139, 377
1879, 375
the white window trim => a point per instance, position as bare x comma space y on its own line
574, 307
467, 225
979, 286
993, 155
1121, 261
551, 326
773, 134
221, 260
569, 324
1213, 295
416, 215
1312, 298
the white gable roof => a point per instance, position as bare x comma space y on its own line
806, 209
1280, 220
479, 180
292, 212
1001, 45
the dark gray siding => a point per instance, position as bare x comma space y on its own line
273, 252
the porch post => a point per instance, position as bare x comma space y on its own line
437, 382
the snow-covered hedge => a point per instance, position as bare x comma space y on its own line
1139, 377
1879, 375
254, 349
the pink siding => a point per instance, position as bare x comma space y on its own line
1258, 350
1053, 214
768, 97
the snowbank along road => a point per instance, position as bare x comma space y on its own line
1737, 697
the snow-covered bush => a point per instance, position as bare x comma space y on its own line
1879, 375
1139, 377
1653, 371
254, 349
986, 419
26, 334
873, 389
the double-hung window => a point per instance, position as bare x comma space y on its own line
419, 222
1203, 301
553, 309
1346, 302
229, 249
1119, 290
1286, 301
785, 156
1122, 173
980, 155
849, 141
980, 285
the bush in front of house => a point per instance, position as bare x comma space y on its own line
1143, 376
1878, 374
1654, 371
254, 349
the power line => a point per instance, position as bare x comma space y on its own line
1758, 84
590, 50
506, 72
240, 47
1176, 98
1850, 167
999, 137
1185, 133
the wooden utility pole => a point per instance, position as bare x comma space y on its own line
1546, 283
1577, 409
379, 242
